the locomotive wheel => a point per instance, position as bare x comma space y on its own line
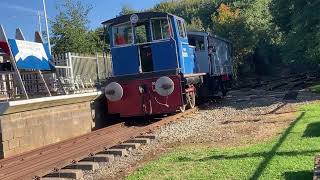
191, 100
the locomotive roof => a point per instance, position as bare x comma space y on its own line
142, 15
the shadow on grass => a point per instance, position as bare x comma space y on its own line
260, 154
312, 130
267, 155
262, 166
298, 175
249, 155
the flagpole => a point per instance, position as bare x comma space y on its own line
46, 21
39, 19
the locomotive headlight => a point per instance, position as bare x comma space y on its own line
164, 86
113, 91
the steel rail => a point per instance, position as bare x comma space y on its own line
40, 162
11, 161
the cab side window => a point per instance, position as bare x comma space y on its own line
161, 29
198, 42
182, 29
200, 45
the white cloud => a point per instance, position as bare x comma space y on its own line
19, 8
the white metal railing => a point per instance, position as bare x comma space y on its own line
80, 72
75, 73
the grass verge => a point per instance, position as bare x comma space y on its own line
288, 156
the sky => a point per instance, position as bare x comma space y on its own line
24, 13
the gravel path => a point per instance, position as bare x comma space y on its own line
244, 117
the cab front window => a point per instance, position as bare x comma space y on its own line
122, 34
145, 31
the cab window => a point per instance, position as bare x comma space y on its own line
141, 33
161, 29
198, 42
200, 45
122, 34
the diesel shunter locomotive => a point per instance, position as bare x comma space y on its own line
155, 69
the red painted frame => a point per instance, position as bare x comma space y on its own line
135, 103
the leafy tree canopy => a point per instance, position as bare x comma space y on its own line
70, 32
299, 22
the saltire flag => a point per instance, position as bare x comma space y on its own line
4, 48
31, 55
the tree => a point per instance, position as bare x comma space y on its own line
98, 39
246, 23
299, 22
228, 23
190, 10
70, 32
195, 25
126, 9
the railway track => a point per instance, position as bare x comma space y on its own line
53, 159
292, 82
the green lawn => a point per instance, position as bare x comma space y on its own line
289, 156
315, 89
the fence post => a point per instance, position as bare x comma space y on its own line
97, 68
67, 63
70, 66
104, 54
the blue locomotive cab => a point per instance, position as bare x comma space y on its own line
149, 42
154, 68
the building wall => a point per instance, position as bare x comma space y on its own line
25, 131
